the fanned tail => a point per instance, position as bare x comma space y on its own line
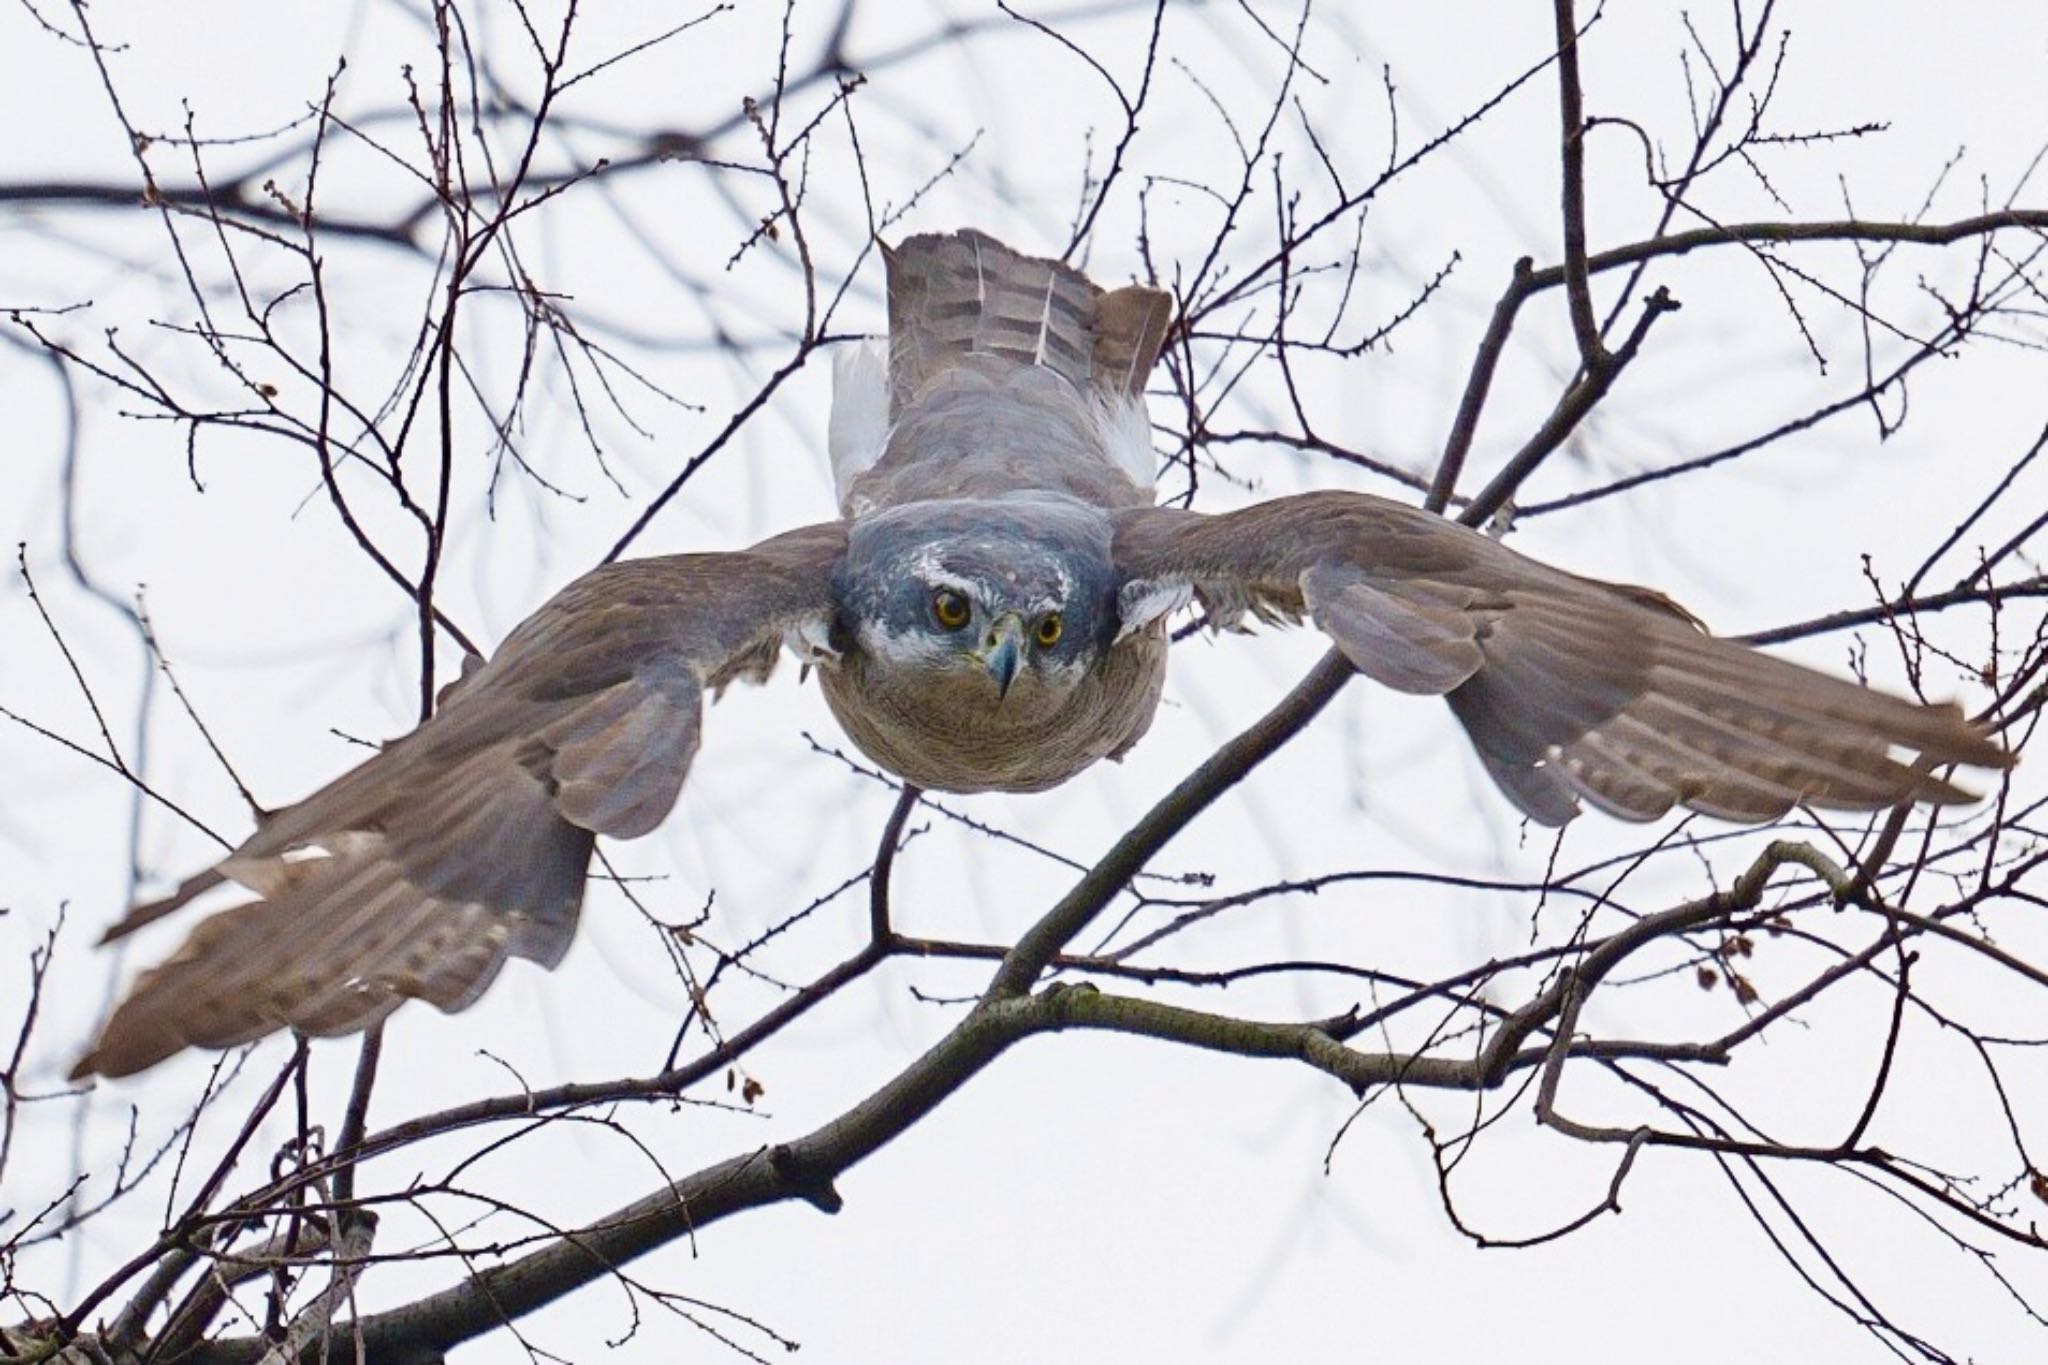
961, 294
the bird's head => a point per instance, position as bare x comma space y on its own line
1013, 598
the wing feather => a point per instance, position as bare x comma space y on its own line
1569, 688
418, 873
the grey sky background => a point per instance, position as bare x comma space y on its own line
1089, 1197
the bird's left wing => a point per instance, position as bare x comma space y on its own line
1568, 687
416, 874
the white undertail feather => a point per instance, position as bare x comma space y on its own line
858, 431
1125, 429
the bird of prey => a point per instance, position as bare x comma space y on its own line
987, 613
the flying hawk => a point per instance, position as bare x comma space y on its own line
987, 613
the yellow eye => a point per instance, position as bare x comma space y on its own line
950, 608
1049, 629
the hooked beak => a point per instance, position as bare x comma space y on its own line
1002, 651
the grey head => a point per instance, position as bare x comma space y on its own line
979, 647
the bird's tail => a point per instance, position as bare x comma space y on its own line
960, 294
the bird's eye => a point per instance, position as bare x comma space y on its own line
950, 608
1049, 629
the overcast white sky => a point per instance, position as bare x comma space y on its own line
1089, 1197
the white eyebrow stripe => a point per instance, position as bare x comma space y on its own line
939, 578
927, 568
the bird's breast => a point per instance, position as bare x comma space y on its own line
945, 730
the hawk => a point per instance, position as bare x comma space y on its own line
987, 614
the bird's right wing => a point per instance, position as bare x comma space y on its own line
1568, 687
416, 874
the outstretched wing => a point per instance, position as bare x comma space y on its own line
1568, 687
418, 873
